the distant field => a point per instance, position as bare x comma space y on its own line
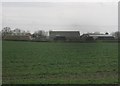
59, 63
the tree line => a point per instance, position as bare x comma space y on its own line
18, 32
41, 33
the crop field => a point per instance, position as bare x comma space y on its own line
59, 63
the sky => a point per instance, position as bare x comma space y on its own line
52, 15
60, 0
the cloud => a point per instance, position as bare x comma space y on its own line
61, 16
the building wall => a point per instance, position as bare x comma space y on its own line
69, 35
97, 37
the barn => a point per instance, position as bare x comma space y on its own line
97, 37
64, 35
102, 37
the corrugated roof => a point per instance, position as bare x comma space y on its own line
64, 31
101, 35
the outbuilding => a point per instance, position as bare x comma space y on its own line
64, 35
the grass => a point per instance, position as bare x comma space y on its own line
59, 63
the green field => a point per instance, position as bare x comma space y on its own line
59, 63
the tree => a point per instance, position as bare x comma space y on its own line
116, 34
6, 31
39, 33
23, 32
107, 33
17, 31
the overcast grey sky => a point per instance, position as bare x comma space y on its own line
82, 16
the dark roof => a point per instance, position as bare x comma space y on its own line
64, 31
67, 34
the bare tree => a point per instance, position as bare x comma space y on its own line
6, 31
17, 31
39, 33
116, 34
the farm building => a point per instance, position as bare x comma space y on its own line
64, 35
97, 37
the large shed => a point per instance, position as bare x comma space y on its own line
97, 37
64, 35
